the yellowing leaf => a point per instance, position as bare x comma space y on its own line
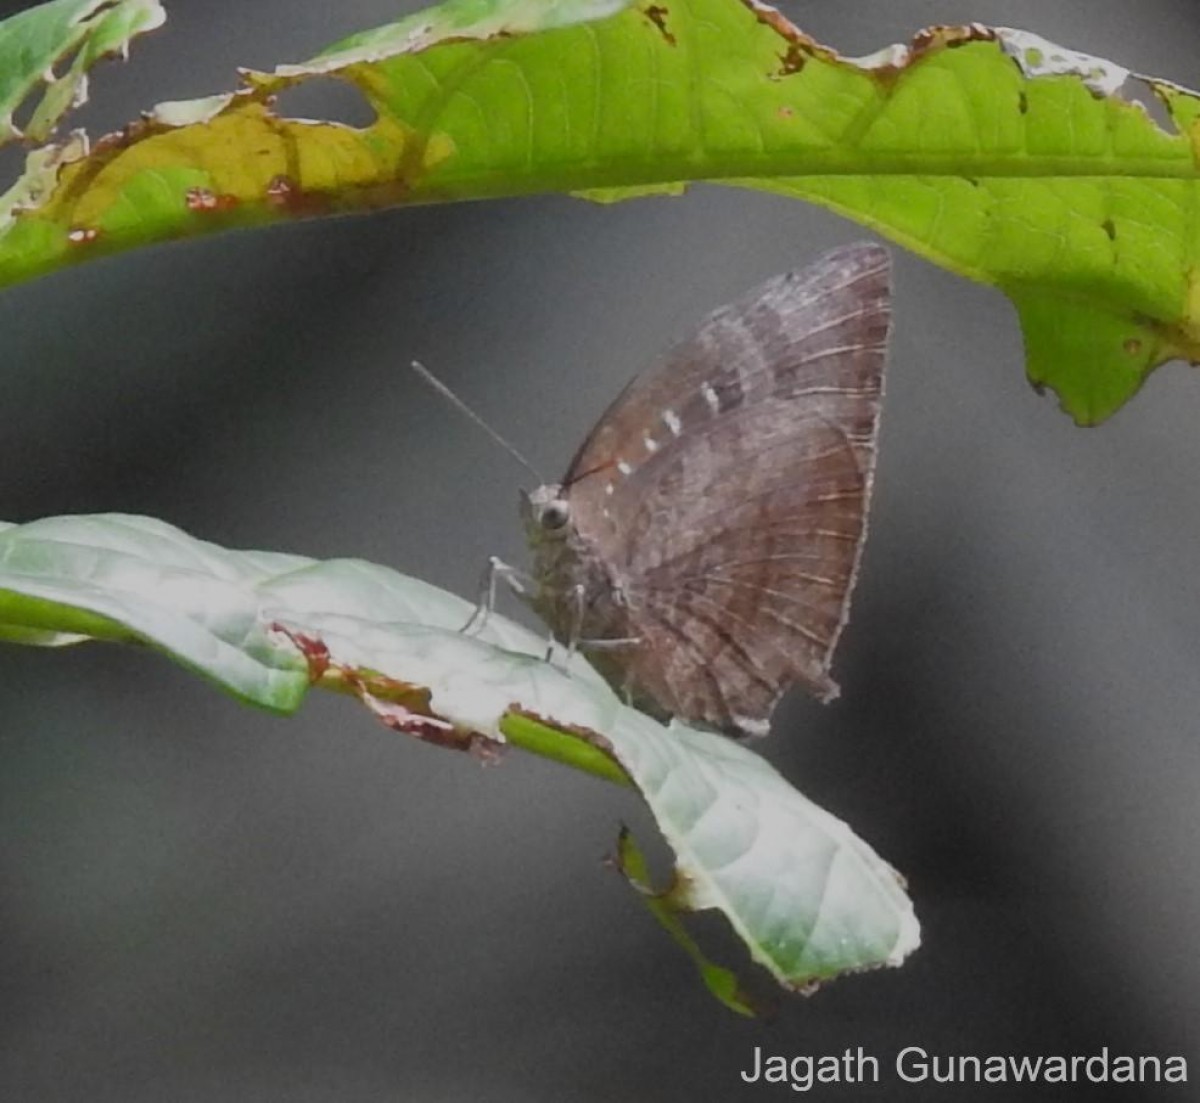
990, 151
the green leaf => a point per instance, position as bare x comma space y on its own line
992, 152
808, 897
34, 42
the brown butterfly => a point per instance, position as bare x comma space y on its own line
703, 545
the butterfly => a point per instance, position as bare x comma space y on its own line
702, 547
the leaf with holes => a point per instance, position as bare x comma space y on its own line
74, 33
808, 897
990, 151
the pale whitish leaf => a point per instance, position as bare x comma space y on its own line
807, 896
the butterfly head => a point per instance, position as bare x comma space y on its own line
546, 513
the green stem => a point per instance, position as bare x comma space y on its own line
571, 750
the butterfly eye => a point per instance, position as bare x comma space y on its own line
554, 516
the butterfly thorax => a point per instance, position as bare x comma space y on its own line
577, 594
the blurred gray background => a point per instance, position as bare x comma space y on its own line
203, 903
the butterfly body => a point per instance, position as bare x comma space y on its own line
703, 545
580, 596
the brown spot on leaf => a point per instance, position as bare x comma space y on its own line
314, 650
923, 41
200, 199
786, 112
424, 725
773, 18
401, 706
949, 37
1023, 103
895, 61
657, 14
205, 199
1132, 345
681, 892
286, 195
800, 46
792, 60
414, 717
82, 235
1109, 228
281, 191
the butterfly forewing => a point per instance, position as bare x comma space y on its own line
780, 339
725, 493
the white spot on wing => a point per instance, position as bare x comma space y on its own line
623, 467
650, 443
672, 422
608, 489
710, 396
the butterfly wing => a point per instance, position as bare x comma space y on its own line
728, 486
750, 592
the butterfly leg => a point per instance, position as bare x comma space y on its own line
485, 598
575, 597
577, 603
575, 639
615, 644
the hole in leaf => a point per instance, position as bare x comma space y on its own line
12, 162
325, 99
23, 112
1139, 92
99, 13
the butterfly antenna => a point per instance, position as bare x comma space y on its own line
463, 408
607, 465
